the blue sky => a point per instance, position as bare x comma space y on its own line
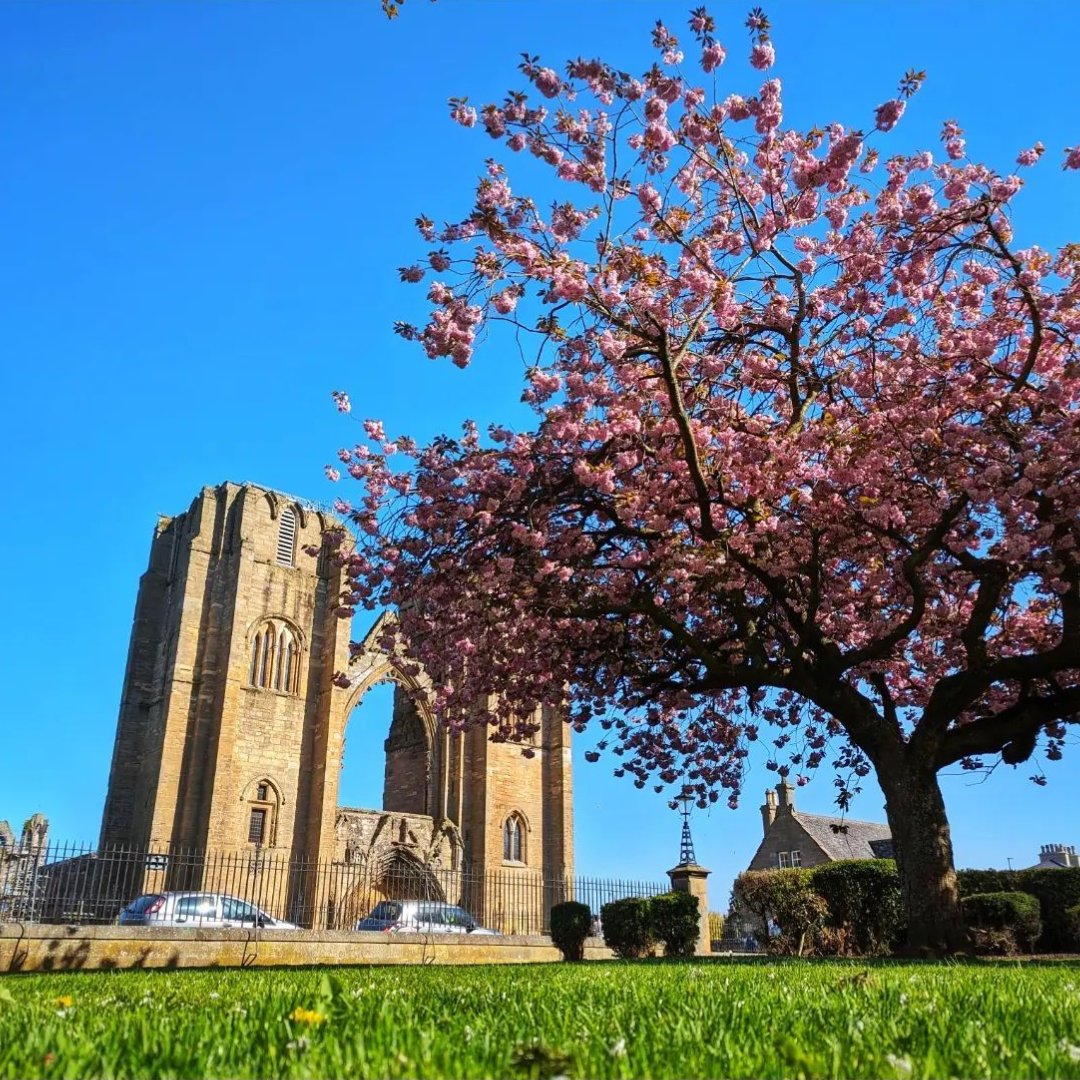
202, 208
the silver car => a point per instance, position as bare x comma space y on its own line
421, 917
198, 909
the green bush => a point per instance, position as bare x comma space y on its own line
628, 927
676, 921
788, 898
1072, 919
1057, 889
570, 924
970, 882
1003, 921
866, 910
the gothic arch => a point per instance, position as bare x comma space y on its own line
275, 650
252, 787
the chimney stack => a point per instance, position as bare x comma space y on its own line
768, 811
787, 795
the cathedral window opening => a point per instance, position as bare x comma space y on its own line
513, 839
262, 792
257, 825
286, 542
275, 656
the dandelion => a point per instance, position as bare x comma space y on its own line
300, 1015
65, 1001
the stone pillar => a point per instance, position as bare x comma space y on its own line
690, 878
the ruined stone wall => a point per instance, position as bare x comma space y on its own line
409, 759
211, 755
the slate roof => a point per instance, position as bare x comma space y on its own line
842, 838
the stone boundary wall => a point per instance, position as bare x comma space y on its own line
103, 948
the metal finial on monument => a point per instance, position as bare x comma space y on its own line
686, 801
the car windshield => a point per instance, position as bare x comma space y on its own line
387, 911
137, 907
456, 916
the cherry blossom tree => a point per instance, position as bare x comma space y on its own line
804, 470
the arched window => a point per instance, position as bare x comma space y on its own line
263, 800
275, 658
514, 839
286, 537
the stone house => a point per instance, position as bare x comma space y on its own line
1056, 856
795, 839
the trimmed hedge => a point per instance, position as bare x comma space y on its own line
865, 906
1056, 888
570, 924
1072, 918
1003, 921
628, 928
676, 921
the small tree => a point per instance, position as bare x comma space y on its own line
786, 898
804, 456
570, 926
628, 930
676, 921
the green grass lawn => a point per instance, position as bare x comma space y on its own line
653, 1019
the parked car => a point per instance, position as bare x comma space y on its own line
198, 909
421, 917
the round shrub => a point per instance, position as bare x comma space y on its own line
1002, 921
628, 927
676, 921
570, 923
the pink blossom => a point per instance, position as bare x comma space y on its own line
341, 400
1072, 157
504, 302
547, 82
887, 114
712, 56
332, 474
1031, 155
763, 55
463, 114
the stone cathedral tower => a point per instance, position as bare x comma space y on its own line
231, 730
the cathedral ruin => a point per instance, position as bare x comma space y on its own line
231, 736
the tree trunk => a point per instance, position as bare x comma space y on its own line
924, 858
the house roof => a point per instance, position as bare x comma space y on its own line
842, 838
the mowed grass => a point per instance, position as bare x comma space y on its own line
654, 1019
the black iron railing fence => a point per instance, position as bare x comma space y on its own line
79, 884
